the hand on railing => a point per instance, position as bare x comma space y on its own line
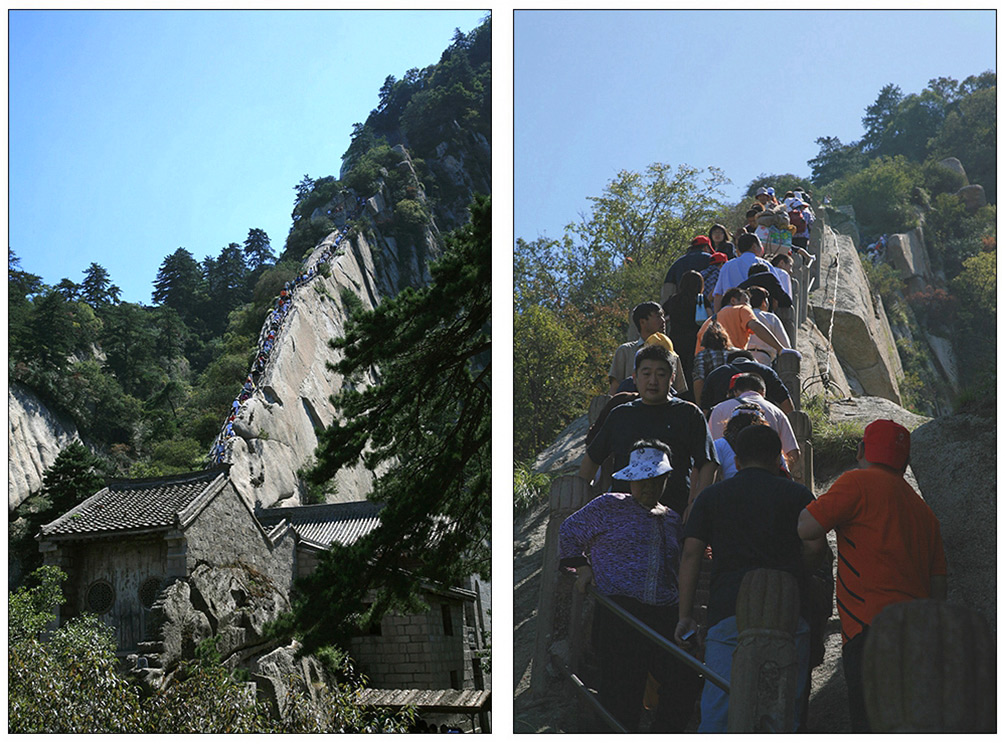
686, 633
584, 577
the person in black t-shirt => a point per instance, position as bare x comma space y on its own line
717, 383
750, 522
656, 415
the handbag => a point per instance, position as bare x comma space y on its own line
701, 314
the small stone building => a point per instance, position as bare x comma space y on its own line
121, 547
435, 649
126, 543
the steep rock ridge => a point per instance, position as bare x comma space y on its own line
862, 336
276, 428
35, 436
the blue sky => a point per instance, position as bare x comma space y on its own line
596, 92
134, 133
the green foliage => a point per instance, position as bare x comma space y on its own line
781, 182
530, 489
553, 389
975, 287
884, 281
937, 178
427, 421
835, 160
953, 234
881, 194
969, 134
67, 682
97, 289
834, 442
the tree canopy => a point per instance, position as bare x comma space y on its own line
426, 422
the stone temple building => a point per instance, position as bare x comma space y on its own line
123, 547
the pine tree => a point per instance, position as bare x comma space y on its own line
257, 250
178, 282
97, 289
428, 423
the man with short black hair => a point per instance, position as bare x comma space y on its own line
649, 319
736, 270
889, 545
657, 415
750, 522
750, 388
716, 386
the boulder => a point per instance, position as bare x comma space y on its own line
35, 436
566, 452
954, 460
819, 358
906, 252
945, 359
862, 337
955, 165
973, 196
280, 673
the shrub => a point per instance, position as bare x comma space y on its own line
834, 443
529, 488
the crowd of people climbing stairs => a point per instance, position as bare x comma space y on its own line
271, 328
699, 450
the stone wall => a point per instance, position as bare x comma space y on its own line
226, 532
35, 436
416, 650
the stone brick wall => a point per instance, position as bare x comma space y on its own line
416, 650
225, 532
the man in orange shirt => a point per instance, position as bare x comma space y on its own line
739, 321
889, 544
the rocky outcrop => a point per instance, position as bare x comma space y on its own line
954, 460
955, 165
231, 604
973, 196
35, 436
862, 336
906, 252
564, 455
821, 372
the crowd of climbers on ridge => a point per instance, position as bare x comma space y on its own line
702, 450
220, 450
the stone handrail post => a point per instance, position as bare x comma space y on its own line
930, 667
567, 495
763, 677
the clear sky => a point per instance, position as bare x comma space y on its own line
134, 133
597, 92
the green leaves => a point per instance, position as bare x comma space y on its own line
426, 424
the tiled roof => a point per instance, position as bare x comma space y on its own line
325, 524
138, 504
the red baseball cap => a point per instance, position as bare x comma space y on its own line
717, 258
887, 442
701, 240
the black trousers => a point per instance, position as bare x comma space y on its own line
852, 666
625, 657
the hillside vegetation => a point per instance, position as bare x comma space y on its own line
573, 293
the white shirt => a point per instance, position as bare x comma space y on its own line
735, 271
773, 415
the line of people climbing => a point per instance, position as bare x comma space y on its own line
699, 450
271, 328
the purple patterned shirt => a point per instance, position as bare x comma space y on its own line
633, 551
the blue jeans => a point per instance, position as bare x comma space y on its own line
721, 641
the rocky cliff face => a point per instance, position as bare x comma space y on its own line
35, 436
861, 337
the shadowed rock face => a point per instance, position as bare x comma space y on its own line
954, 460
35, 436
862, 336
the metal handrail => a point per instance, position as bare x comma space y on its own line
661, 641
